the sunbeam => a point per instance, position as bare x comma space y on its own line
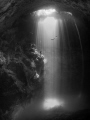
58, 40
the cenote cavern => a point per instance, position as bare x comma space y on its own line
44, 60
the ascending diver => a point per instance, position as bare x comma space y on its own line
54, 38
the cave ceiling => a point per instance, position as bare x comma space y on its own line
10, 10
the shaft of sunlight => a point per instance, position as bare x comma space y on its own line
48, 42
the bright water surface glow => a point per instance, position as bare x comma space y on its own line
45, 12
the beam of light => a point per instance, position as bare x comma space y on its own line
50, 103
49, 25
45, 12
47, 29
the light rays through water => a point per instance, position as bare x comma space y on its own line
59, 40
48, 42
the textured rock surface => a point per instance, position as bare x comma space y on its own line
20, 77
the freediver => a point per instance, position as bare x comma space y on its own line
54, 38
